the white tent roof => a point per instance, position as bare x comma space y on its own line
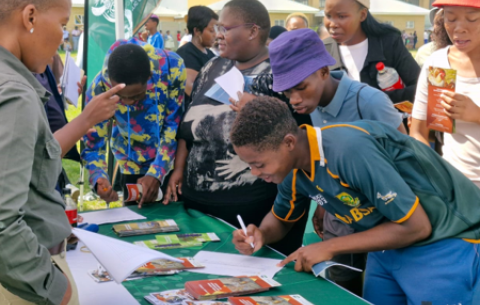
395, 7
392, 7
275, 6
78, 3
172, 8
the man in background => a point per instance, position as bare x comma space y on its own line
296, 21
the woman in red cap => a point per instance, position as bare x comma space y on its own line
462, 148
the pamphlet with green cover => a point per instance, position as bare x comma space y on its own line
147, 227
174, 241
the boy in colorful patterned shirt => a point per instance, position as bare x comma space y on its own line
146, 122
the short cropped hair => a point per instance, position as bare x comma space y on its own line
199, 17
262, 124
8, 6
129, 64
252, 11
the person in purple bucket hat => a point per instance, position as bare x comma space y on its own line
300, 64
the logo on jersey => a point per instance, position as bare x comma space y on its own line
389, 197
348, 200
319, 199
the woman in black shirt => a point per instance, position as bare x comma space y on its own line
201, 22
208, 173
350, 24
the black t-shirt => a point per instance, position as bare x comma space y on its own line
214, 174
194, 58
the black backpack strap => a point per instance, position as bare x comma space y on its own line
358, 102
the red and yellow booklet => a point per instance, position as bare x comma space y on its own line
293, 299
439, 80
230, 286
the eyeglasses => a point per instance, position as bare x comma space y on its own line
223, 29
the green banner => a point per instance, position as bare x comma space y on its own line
101, 27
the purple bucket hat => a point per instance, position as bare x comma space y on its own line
294, 56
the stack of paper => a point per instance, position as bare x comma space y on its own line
111, 216
72, 75
119, 258
235, 264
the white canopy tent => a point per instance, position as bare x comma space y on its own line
392, 7
275, 6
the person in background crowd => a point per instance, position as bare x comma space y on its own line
404, 37
75, 38
296, 21
322, 32
67, 46
439, 35
415, 39
146, 122
169, 43
187, 37
66, 35
275, 31
153, 37
207, 172
300, 70
358, 42
179, 37
426, 36
462, 148
201, 22
412, 210
33, 224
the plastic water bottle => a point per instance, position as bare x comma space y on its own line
388, 78
70, 207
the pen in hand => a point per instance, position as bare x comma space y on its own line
242, 224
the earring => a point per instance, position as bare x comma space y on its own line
31, 31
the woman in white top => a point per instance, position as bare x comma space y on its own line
462, 148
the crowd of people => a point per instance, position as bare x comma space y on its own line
313, 125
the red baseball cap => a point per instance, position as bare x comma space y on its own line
467, 3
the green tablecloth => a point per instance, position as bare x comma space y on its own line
316, 290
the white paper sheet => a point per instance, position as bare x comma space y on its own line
235, 264
111, 216
119, 258
72, 75
232, 82
89, 291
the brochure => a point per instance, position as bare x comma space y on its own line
319, 269
404, 106
230, 286
164, 265
169, 297
439, 80
175, 241
293, 299
148, 227
102, 276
